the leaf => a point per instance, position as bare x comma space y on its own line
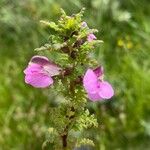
47, 46
52, 25
84, 141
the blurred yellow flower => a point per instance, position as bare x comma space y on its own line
125, 43
129, 45
120, 43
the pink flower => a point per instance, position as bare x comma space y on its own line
40, 71
91, 37
84, 24
94, 85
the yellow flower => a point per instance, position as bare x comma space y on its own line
129, 45
120, 42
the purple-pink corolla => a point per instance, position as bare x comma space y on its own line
40, 71
91, 37
84, 24
94, 85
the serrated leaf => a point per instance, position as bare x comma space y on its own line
57, 46
63, 13
52, 25
45, 47
85, 141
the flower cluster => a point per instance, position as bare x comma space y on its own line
40, 71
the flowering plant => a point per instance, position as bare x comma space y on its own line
68, 68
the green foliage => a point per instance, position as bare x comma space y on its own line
125, 53
86, 121
85, 142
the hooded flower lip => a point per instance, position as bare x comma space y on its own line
40, 71
91, 37
96, 88
99, 71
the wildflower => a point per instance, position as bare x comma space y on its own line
40, 71
94, 85
120, 43
84, 24
91, 37
129, 45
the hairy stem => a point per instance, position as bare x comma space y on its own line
64, 141
66, 130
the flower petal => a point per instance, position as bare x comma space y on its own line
51, 68
38, 80
105, 91
94, 96
90, 81
41, 60
91, 37
33, 69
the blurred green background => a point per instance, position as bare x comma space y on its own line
124, 26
